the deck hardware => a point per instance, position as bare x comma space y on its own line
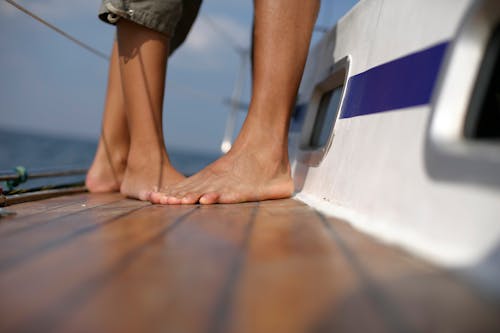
40, 194
21, 175
6, 213
456, 133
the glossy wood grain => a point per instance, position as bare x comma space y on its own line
103, 263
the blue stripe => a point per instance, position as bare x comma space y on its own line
399, 84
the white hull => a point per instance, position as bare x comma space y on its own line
378, 172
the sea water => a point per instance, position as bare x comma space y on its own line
45, 152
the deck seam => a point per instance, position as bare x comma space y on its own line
389, 312
45, 211
47, 323
224, 302
39, 224
12, 262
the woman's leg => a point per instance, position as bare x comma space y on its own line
110, 161
143, 60
257, 166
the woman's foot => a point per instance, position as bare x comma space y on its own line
107, 170
110, 161
146, 173
143, 57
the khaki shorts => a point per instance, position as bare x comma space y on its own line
171, 17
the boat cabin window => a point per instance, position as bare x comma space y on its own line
483, 118
323, 109
326, 116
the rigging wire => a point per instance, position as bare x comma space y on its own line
102, 55
225, 35
188, 90
59, 31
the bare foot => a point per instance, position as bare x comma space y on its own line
107, 170
145, 174
245, 174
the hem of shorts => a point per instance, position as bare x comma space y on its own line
145, 19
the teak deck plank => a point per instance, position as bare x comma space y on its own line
49, 235
34, 214
42, 263
412, 295
178, 277
102, 263
294, 274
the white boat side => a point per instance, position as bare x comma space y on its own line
380, 171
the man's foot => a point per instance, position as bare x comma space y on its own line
246, 174
107, 170
145, 175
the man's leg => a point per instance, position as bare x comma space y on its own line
110, 161
257, 166
143, 59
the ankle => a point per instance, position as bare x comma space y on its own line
263, 141
147, 159
115, 157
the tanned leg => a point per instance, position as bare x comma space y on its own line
143, 59
110, 161
257, 166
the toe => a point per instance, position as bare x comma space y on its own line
190, 198
171, 200
156, 197
209, 198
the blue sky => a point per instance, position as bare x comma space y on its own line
49, 85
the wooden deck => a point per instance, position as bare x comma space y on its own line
102, 263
